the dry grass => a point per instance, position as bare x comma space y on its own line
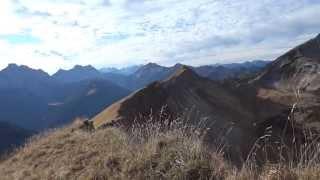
149, 152
72, 153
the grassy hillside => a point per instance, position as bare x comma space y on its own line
178, 152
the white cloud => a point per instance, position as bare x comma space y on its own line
9, 23
123, 32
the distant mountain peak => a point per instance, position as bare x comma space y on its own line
77, 73
13, 68
183, 73
152, 65
150, 68
87, 67
12, 65
78, 68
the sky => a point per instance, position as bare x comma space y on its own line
54, 34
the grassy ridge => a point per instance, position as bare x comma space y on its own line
147, 153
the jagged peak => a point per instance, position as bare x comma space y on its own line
12, 67
87, 67
78, 68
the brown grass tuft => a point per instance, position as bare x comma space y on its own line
152, 151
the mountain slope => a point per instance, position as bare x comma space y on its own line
182, 90
73, 153
22, 108
85, 99
12, 136
297, 69
25, 93
292, 80
183, 93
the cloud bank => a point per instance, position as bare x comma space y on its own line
53, 34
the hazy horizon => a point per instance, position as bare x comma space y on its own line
58, 34
124, 67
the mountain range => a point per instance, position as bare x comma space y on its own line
285, 91
124, 71
151, 72
241, 105
34, 100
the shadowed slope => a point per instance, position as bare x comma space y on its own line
85, 99
185, 94
12, 136
184, 90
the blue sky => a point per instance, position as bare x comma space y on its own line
53, 34
18, 39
